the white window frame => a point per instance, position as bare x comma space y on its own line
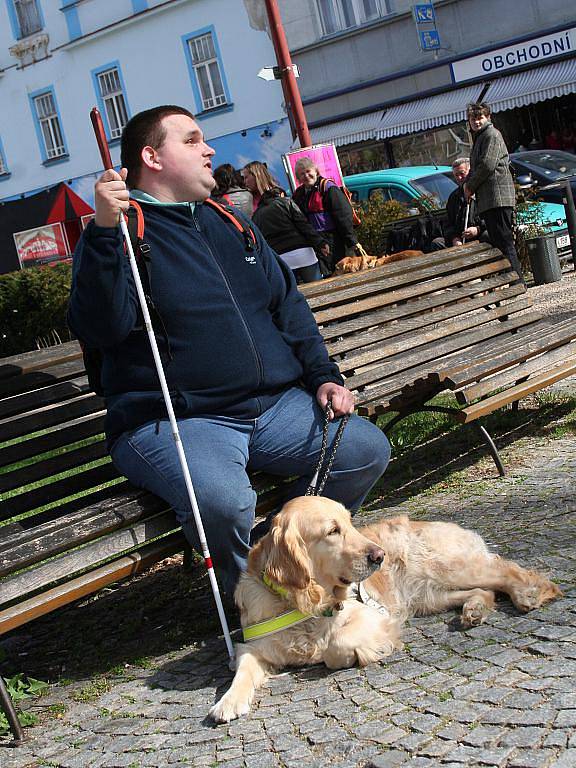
29, 17
112, 95
358, 11
205, 62
50, 127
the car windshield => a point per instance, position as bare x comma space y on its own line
437, 186
560, 163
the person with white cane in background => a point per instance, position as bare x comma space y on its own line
246, 368
463, 223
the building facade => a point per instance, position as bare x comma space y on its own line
59, 58
389, 91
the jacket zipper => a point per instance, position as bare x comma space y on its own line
259, 367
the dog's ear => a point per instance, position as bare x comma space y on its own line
287, 562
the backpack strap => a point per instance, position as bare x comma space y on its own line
135, 222
228, 214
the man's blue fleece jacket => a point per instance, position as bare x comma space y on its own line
240, 333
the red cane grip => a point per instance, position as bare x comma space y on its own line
208, 562
101, 140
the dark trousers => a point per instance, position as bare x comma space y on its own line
501, 235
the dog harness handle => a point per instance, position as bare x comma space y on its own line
320, 477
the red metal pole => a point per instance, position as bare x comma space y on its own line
289, 85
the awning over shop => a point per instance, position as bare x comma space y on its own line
431, 112
348, 131
532, 86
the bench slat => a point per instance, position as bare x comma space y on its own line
514, 374
482, 408
434, 350
348, 333
36, 398
445, 256
29, 381
67, 486
39, 360
58, 436
545, 337
52, 466
50, 415
73, 562
85, 585
408, 340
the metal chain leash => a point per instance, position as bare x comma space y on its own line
320, 477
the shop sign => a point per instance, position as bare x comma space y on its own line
534, 51
43, 245
324, 157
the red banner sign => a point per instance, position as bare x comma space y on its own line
43, 245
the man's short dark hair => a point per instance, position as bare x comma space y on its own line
144, 130
478, 109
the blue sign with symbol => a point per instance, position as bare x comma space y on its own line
429, 40
424, 14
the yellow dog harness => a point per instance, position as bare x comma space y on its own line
277, 623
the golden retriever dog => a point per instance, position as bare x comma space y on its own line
398, 256
313, 554
358, 263
354, 264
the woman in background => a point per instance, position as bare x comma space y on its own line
284, 226
327, 209
229, 189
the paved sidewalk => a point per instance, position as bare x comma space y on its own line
503, 694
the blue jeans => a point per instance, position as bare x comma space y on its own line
285, 440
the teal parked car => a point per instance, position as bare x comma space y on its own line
434, 183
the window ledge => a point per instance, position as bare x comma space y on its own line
55, 160
214, 111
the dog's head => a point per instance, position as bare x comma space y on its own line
314, 551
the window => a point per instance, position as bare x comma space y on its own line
390, 192
339, 15
29, 17
112, 96
49, 123
207, 70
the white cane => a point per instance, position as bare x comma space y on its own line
466, 216
107, 162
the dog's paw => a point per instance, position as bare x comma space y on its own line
474, 613
228, 709
533, 596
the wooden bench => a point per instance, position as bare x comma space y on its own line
69, 524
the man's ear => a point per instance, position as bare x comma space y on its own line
150, 158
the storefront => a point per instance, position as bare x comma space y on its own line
530, 86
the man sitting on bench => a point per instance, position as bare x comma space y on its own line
248, 370
457, 229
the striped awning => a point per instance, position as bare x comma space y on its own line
532, 86
431, 112
360, 128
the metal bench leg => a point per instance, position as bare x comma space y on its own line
10, 711
492, 448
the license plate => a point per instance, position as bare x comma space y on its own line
563, 241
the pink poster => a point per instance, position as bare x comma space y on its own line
324, 156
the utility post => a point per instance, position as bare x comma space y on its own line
289, 85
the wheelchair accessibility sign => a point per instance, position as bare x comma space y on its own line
424, 14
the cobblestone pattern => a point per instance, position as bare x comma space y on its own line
503, 694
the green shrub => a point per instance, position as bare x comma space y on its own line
374, 214
33, 305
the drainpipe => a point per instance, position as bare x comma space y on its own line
289, 85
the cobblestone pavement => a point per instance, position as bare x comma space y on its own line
503, 694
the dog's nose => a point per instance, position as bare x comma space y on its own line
375, 555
